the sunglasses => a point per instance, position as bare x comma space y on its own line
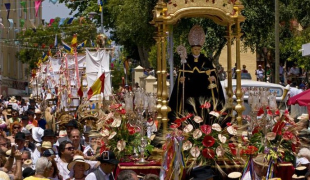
15, 127
70, 148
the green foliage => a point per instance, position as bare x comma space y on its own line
118, 73
35, 43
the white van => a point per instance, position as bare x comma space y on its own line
250, 83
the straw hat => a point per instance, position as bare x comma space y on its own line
12, 100
46, 145
37, 111
234, 175
62, 133
260, 160
304, 116
78, 158
4, 176
29, 126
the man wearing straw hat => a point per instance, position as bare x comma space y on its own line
260, 168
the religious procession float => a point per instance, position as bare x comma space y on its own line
200, 128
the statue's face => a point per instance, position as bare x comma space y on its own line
196, 50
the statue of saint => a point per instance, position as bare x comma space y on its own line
201, 83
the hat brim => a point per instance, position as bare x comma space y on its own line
72, 164
111, 161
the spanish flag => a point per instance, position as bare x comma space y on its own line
74, 41
97, 87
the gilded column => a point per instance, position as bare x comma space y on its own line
239, 107
164, 96
228, 88
158, 72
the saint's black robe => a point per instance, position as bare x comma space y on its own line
196, 86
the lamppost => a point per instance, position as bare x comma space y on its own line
92, 14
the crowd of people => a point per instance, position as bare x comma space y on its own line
30, 149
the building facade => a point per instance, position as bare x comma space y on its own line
15, 75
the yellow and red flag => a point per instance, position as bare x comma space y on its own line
74, 41
97, 87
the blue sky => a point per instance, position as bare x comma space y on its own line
50, 11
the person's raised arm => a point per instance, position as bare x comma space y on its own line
8, 165
18, 172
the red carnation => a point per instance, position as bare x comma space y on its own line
206, 105
131, 130
208, 153
208, 141
206, 129
287, 135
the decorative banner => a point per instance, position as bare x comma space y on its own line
74, 41
22, 23
37, 4
70, 21
23, 4
11, 21
54, 1
8, 7
61, 21
51, 22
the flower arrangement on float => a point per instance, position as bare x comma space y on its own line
123, 137
205, 139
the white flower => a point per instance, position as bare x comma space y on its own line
188, 128
214, 113
271, 136
110, 115
116, 122
198, 119
187, 145
220, 151
197, 134
112, 135
232, 131
195, 152
222, 138
216, 127
121, 144
105, 132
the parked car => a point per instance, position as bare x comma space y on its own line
250, 83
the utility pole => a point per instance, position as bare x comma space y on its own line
277, 52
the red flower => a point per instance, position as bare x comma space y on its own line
189, 115
206, 105
208, 153
278, 127
250, 150
232, 148
123, 111
277, 112
177, 121
131, 130
228, 124
173, 126
109, 121
260, 112
208, 141
287, 135
293, 146
206, 129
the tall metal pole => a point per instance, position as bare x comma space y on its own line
101, 19
277, 53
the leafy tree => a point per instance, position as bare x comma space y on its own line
36, 42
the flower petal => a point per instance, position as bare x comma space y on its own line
112, 135
206, 129
195, 152
198, 119
208, 141
187, 145
121, 144
214, 113
271, 136
197, 134
208, 153
216, 127
232, 131
188, 128
220, 151
222, 138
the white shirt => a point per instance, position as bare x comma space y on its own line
63, 170
247, 176
103, 176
